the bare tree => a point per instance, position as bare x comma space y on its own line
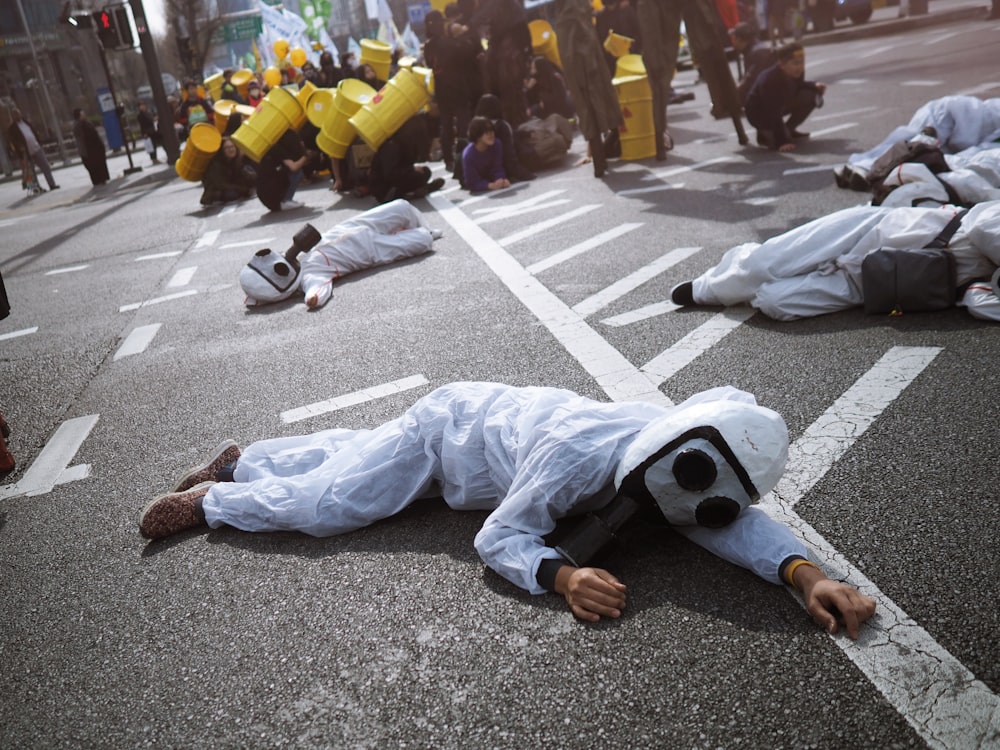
194, 23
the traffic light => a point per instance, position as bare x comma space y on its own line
114, 27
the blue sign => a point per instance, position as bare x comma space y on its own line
112, 128
418, 11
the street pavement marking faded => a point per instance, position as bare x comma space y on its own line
814, 168
51, 467
208, 239
352, 399
15, 334
642, 313
137, 341
582, 247
633, 281
501, 215
618, 377
531, 231
834, 129
653, 189
157, 256
157, 300
262, 242
922, 83
67, 269
664, 366
664, 173
182, 277
929, 687
841, 113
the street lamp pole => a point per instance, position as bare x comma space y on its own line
170, 143
44, 84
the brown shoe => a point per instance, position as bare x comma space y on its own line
170, 514
223, 455
7, 462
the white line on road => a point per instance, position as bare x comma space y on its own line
981, 88
926, 684
542, 226
208, 239
942, 37
841, 113
582, 247
9, 222
50, 467
262, 242
157, 300
877, 51
504, 208
921, 83
643, 313
664, 366
483, 196
633, 281
663, 174
762, 200
500, 215
15, 334
157, 256
137, 341
834, 129
652, 189
852, 81
351, 399
814, 168
451, 189
182, 277
67, 269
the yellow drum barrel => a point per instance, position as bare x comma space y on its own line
319, 105
543, 41
637, 133
337, 132
241, 80
279, 111
399, 100
630, 65
202, 143
618, 45
378, 55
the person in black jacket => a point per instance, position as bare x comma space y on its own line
781, 91
91, 148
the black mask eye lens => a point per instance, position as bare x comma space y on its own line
281, 269
694, 470
716, 512
262, 253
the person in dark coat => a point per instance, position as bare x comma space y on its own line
150, 131
508, 55
781, 100
597, 108
756, 57
450, 55
91, 148
394, 172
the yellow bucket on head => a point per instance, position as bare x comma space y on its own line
630, 65
637, 133
398, 101
224, 109
338, 133
618, 45
319, 105
543, 41
202, 143
213, 84
241, 80
279, 111
378, 55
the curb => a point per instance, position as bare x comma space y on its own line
909, 23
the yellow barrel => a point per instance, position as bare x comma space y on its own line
426, 75
637, 133
399, 100
407, 61
630, 65
618, 45
338, 133
319, 105
543, 41
279, 111
213, 84
241, 80
378, 55
224, 109
202, 143
245, 110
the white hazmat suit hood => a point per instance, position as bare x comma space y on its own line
706, 463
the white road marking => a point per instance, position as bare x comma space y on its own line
504, 208
643, 313
137, 341
157, 300
618, 377
762, 200
67, 269
665, 173
652, 189
852, 81
182, 277
941, 699
484, 196
814, 168
834, 129
157, 256
9, 222
451, 189
877, 51
981, 88
582, 247
228, 209
262, 242
921, 83
542, 226
15, 334
50, 467
841, 113
664, 366
633, 281
942, 37
208, 239
501, 215
351, 399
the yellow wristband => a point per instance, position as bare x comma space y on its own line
793, 566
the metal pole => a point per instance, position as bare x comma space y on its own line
171, 146
45, 86
118, 113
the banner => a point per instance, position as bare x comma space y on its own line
281, 24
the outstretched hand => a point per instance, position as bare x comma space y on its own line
831, 603
591, 592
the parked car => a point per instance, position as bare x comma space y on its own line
824, 13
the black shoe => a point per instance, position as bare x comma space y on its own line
858, 182
765, 139
435, 184
798, 134
683, 294
54, 187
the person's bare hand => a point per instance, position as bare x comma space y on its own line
831, 602
591, 592
786, 147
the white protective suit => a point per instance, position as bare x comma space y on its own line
816, 268
974, 177
531, 455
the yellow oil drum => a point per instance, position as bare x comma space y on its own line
241, 80
337, 133
426, 75
378, 55
618, 45
399, 100
630, 65
213, 85
319, 105
245, 110
224, 109
202, 143
543, 41
279, 111
637, 133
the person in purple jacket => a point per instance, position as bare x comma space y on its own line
482, 159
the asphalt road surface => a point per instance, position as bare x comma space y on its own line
129, 354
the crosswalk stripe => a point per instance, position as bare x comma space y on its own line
633, 281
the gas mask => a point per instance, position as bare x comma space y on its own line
699, 466
270, 277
